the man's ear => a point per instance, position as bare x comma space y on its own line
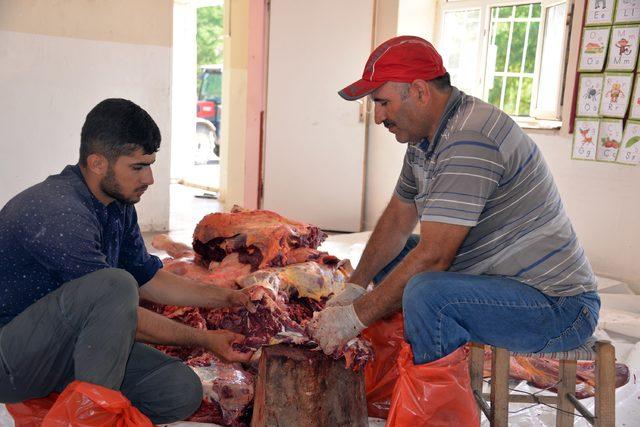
97, 164
421, 90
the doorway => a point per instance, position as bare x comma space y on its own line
197, 104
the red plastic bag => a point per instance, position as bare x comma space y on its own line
30, 413
386, 337
81, 404
437, 393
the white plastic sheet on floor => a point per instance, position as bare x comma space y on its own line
619, 322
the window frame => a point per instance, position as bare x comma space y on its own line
483, 46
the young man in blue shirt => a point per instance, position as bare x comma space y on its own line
74, 266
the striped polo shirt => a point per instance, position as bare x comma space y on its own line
482, 171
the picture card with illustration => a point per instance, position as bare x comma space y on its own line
609, 138
634, 111
584, 138
589, 94
629, 152
616, 93
623, 48
599, 12
627, 11
593, 51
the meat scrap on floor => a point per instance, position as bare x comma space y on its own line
288, 280
543, 373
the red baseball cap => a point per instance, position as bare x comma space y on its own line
401, 59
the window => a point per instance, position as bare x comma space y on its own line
509, 53
463, 30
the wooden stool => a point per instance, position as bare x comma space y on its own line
498, 413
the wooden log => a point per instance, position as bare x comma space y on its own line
299, 387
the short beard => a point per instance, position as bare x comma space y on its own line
111, 188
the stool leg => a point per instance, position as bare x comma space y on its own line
476, 373
567, 384
499, 387
605, 400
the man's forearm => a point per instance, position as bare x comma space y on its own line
171, 289
154, 328
387, 240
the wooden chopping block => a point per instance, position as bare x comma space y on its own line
300, 387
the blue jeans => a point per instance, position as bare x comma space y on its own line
444, 310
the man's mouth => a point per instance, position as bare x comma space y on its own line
389, 125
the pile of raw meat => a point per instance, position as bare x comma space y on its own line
289, 280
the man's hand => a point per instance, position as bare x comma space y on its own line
220, 342
350, 293
332, 327
153, 328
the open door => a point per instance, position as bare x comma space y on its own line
314, 148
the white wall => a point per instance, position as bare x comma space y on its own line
603, 203
384, 153
56, 62
234, 110
183, 88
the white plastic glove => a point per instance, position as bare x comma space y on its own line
332, 327
349, 294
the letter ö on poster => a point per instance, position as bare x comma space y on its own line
589, 95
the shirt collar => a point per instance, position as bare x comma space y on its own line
452, 105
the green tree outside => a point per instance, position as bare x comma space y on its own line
209, 36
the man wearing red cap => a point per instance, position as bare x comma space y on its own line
497, 260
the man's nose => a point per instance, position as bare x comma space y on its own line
378, 114
147, 178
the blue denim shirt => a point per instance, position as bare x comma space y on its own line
57, 231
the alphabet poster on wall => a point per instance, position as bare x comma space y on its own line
627, 11
589, 94
634, 112
609, 139
593, 50
600, 12
616, 92
623, 48
584, 139
629, 152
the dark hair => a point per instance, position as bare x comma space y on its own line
443, 82
118, 127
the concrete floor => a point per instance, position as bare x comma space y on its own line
185, 212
